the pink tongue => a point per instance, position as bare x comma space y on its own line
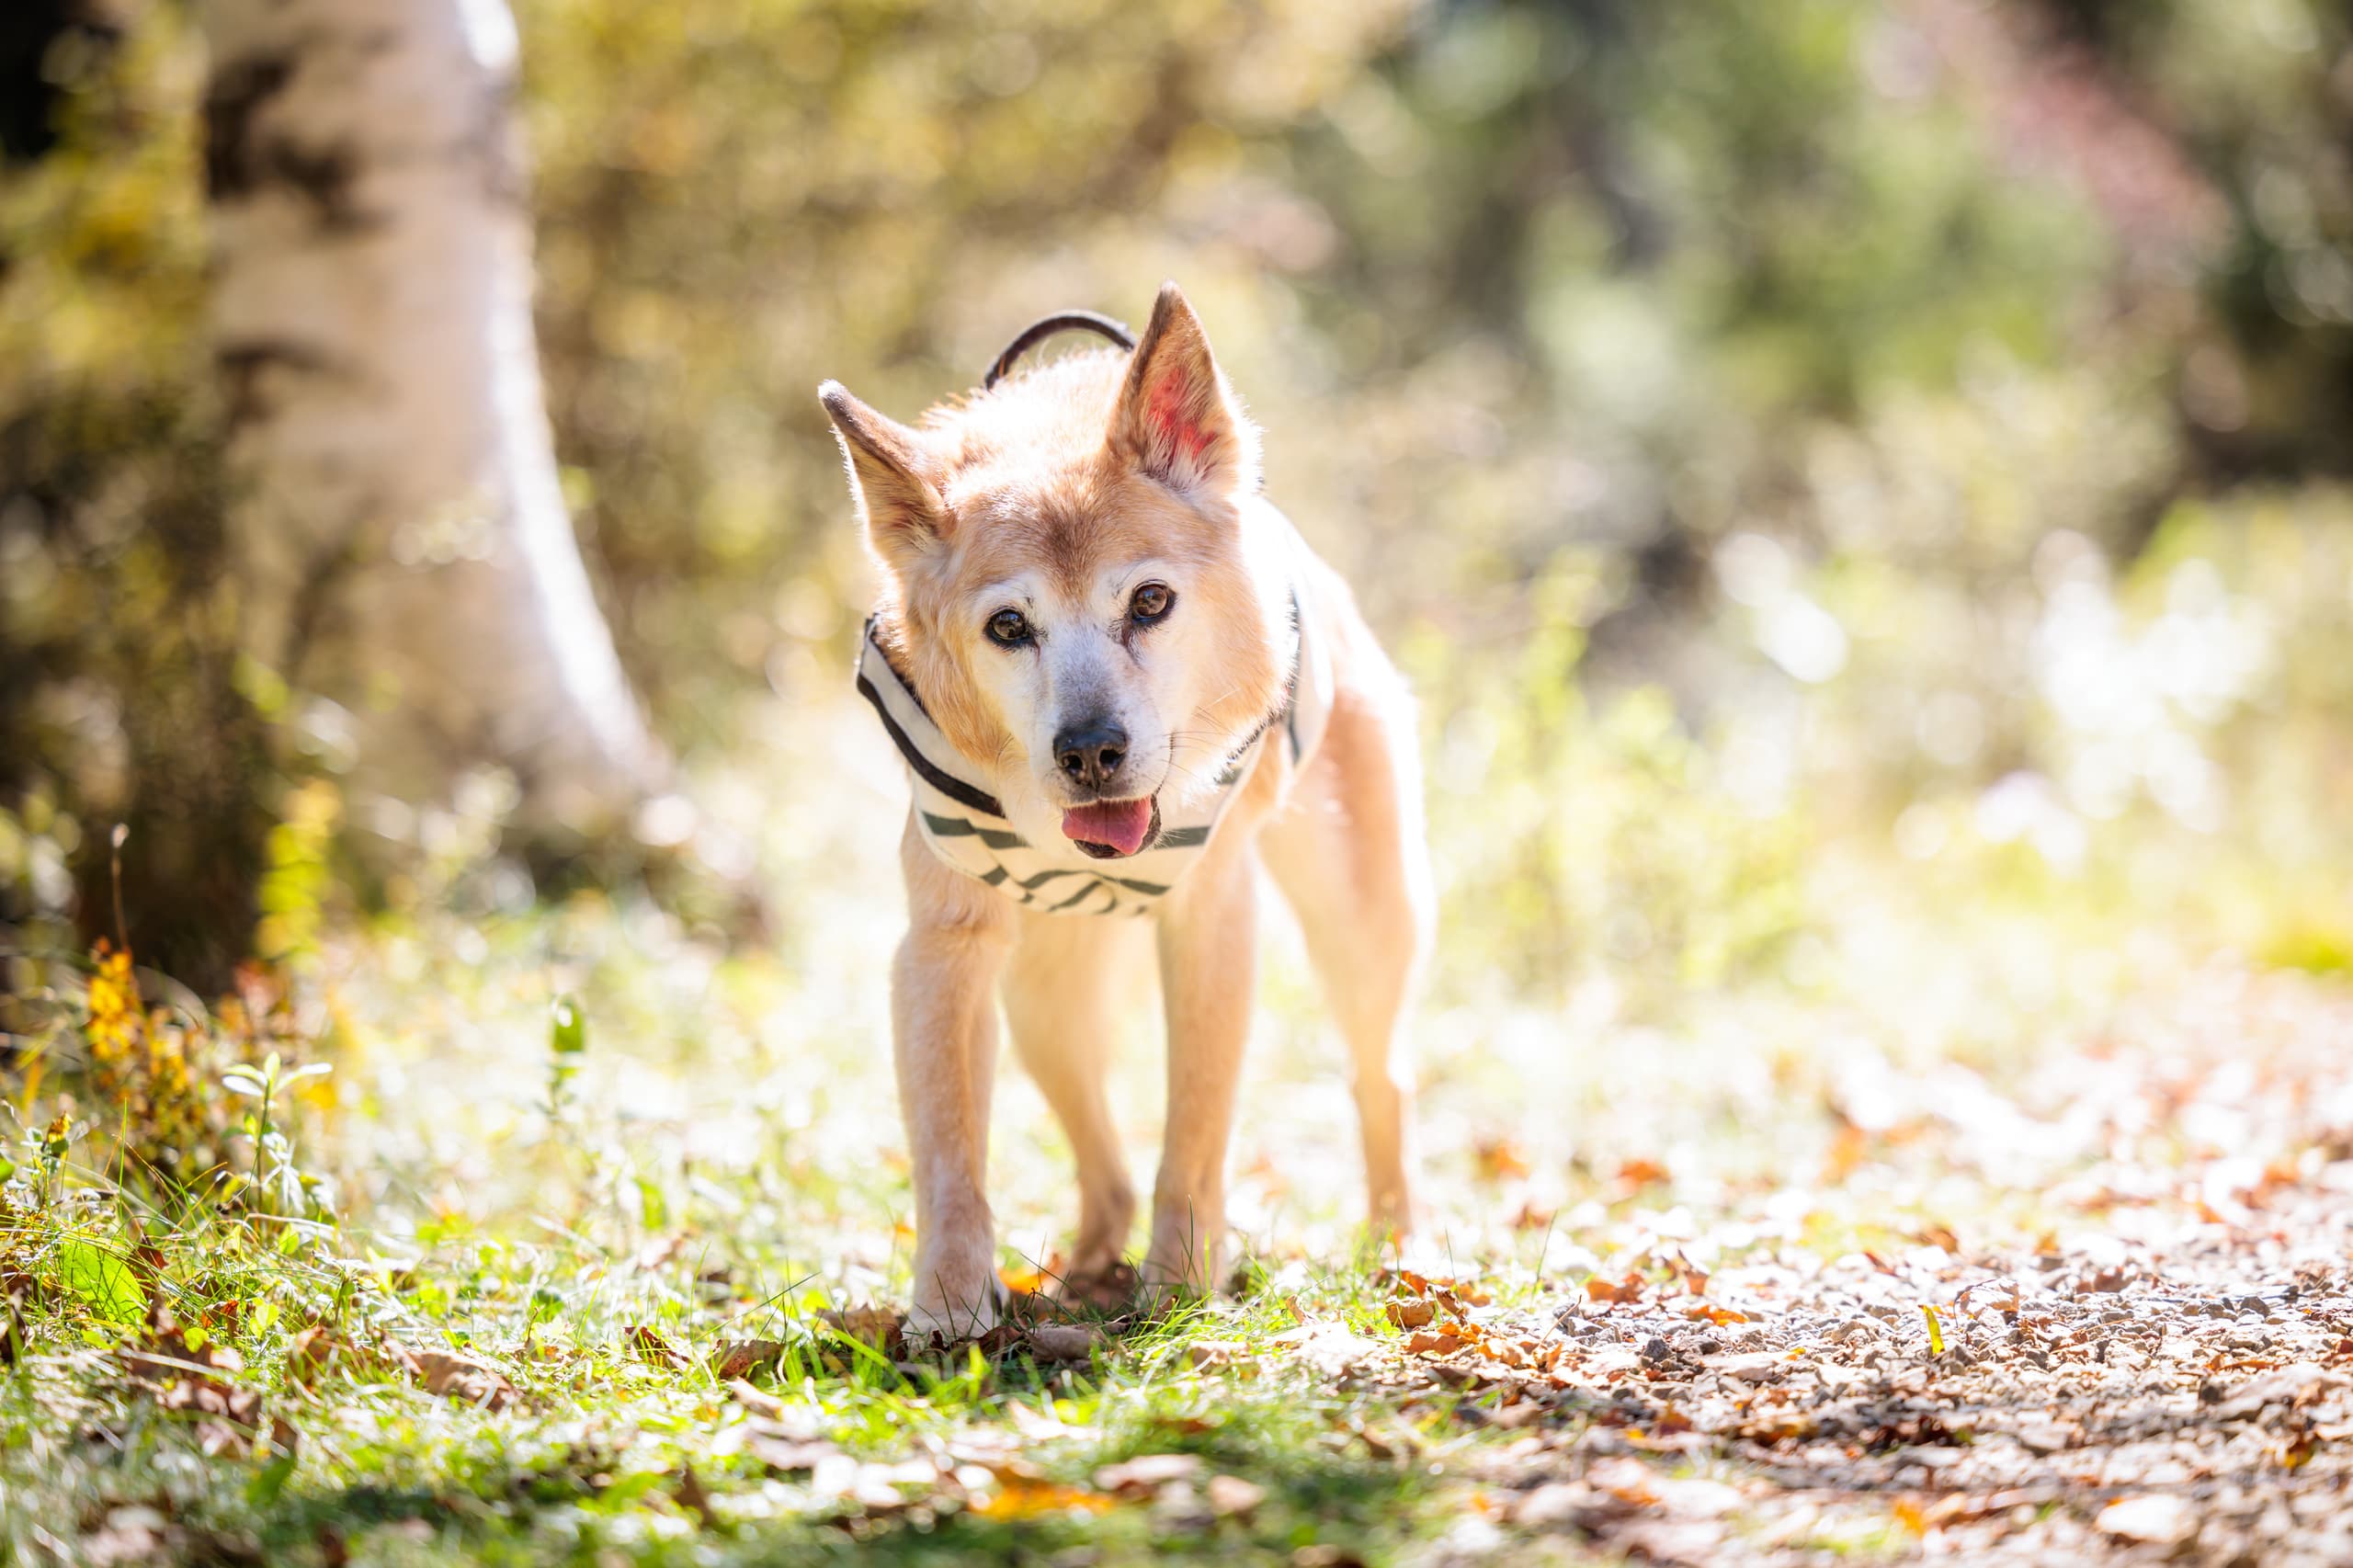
1120, 823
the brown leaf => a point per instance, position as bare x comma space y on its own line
1630, 1289
999, 1340
875, 1326
1708, 1312
1639, 1172
316, 1352
647, 1341
694, 1499
1231, 1497
1223, 1355
1500, 1159
1019, 1497
1063, 1341
738, 1359
465, 1377
758, 1401
1146, 1473
1411, 1313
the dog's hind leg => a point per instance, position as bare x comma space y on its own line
1063, 993
1347, 851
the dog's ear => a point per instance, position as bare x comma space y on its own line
1177, 418
894, 481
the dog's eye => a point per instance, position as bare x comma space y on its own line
1152, 602
1009, 628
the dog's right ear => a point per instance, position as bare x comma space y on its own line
894, 481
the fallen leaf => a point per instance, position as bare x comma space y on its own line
1230, 1496
758, 1401
786, 1454
1410, 1313
1063, 1341
1630, 1289
1146, 1473
1018, 1498
694, 1499
460, 1377
1629, 1481
647, 1341
1223, 1355
1500, 1159
737, 1358
877, 1327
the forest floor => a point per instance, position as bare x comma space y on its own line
1967, 1234
2089, 1303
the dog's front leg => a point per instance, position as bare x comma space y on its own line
943, 1016
1207, 968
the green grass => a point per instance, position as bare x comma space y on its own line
556, 1136
590, 1458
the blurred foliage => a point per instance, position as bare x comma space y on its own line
1771, 435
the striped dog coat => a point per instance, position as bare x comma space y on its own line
966, 827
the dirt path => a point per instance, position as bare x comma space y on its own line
2164, 1373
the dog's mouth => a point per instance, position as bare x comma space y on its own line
1113, 830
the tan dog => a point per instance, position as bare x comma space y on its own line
1120, 682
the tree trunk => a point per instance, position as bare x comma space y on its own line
398, 537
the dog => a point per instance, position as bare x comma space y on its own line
1120, 682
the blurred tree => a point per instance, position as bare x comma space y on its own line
400, 548
30, 29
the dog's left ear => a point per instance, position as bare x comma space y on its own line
1177, 418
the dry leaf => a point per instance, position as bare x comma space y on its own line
1063, 1341
464, 1378
1500, 1159
694, 1499
1019, 1497
737, 1358
1231, 1497
1643, 1173
1146, 1473
1630, 1289
647, 1341
1411, 1313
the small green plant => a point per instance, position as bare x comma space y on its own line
567, 1043
284, 1189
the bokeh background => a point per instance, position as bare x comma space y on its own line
1860, 488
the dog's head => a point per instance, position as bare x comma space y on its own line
1077, 580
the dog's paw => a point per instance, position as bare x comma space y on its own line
938, 1317
1104, 1288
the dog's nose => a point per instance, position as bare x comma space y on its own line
1091, 753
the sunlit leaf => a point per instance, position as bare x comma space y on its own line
101, 1279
